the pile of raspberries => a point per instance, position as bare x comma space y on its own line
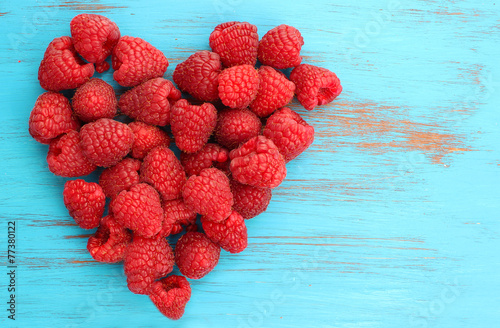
234, 133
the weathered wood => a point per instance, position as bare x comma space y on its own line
390, 219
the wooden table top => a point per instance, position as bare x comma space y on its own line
390, 219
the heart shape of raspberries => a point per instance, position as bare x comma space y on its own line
235, 136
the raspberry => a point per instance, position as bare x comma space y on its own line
85, 202
205, 158
177, 214
275, 91
236, 126
236, 43
105, 142
280, 47
147, 137
38, 138
109, 242
315, 86
230, 234
192, 227
122, 176
93, 100
199, 75
50, 117
196, 255
146, 260
94, 37
102, 67
65, 157
170, 295
209, 194
135, 61
249, 201
61, 68
164, 171
192, 125
224, 167
258, 162
289, 132
150, 102
238, 86
138, 209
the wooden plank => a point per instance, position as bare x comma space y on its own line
390, 219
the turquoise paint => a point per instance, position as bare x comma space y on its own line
387, 235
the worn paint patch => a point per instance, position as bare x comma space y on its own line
52, 223
94, 6
82, 262
84, 236
3, 14
471, 74
380, 129
447, 13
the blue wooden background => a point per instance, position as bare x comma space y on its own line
390, 219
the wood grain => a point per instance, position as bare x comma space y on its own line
390, 218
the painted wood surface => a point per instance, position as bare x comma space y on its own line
390, 219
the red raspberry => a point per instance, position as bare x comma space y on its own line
236, 43
170, 295
275, 91
150, 102
192, 125
192, 227
177, 214
196, 255
289, 132
61, 68
105, 142
164, 171
280, 47
236, 126
238, 86
199, 75
315, 86
122, 176
85, 202
250, 201
94, 37
38, 138
209, 194
50, 117
146, 260
147, 137
93, 100
230, 234
109, 242
205, 158
135, 61
138, 209
258, 162
65, 157
224, 167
